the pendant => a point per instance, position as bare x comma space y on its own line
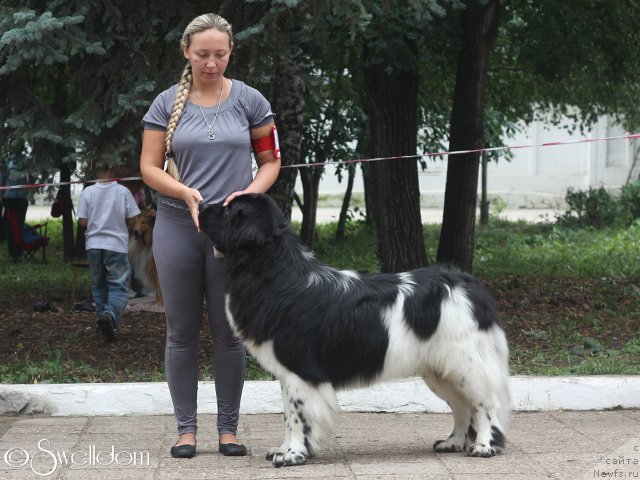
211, 135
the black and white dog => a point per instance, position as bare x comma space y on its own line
319, 329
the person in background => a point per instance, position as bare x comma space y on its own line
206, 126
106, 209
15, 199
136, 187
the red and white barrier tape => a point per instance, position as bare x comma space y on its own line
367, 160
72, 182
460, 152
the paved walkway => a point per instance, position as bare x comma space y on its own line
547, 445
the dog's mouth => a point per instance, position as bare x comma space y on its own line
213, 223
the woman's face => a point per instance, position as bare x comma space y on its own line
208, 54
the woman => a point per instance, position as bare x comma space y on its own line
205, 127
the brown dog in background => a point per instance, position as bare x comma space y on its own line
141, 254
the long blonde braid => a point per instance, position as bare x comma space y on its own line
184, 87
198, 24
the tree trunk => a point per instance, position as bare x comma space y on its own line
68, 241
287, 101
368, 194
342, 220
391, 108
457, 237
311, 184
80, 250
484, 202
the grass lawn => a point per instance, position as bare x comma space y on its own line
569, 301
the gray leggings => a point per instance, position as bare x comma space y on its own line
188, 272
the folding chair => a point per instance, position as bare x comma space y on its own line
31, 239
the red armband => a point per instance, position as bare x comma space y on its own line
269, 142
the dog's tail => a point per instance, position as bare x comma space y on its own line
324, 410
504, 396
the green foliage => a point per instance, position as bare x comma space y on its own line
81, 75
630, 202
54, 369
526, 249
507, 248
105, 61
549, 53
39, 40
599, 341
395, 27
52, 280
555, 359
596, 207
357, 252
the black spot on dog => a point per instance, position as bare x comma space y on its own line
472, 434
497, 437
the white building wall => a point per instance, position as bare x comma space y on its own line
535, 176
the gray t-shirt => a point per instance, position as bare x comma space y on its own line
219, 167
105, 206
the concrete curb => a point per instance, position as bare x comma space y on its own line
410, 395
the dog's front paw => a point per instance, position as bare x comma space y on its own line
448, 446
481, 450
273, 452
288, 459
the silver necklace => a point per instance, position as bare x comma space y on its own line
210, 133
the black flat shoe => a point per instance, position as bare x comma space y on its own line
183, 451
232, 449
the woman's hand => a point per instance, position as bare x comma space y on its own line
192, 198
232, 196
151, 167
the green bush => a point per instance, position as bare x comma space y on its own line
594, 207
630, 201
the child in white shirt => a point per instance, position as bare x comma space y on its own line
106, 209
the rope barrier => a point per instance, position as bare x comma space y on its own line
368, 160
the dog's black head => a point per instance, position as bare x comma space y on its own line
212, 223
249, 221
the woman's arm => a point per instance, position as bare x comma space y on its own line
268, 166
153, 174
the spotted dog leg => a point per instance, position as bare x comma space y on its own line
311, 414
287, 439
460, 408
485, 436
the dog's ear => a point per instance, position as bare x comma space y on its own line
212, 223
247, 227
280, 223
254, 221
